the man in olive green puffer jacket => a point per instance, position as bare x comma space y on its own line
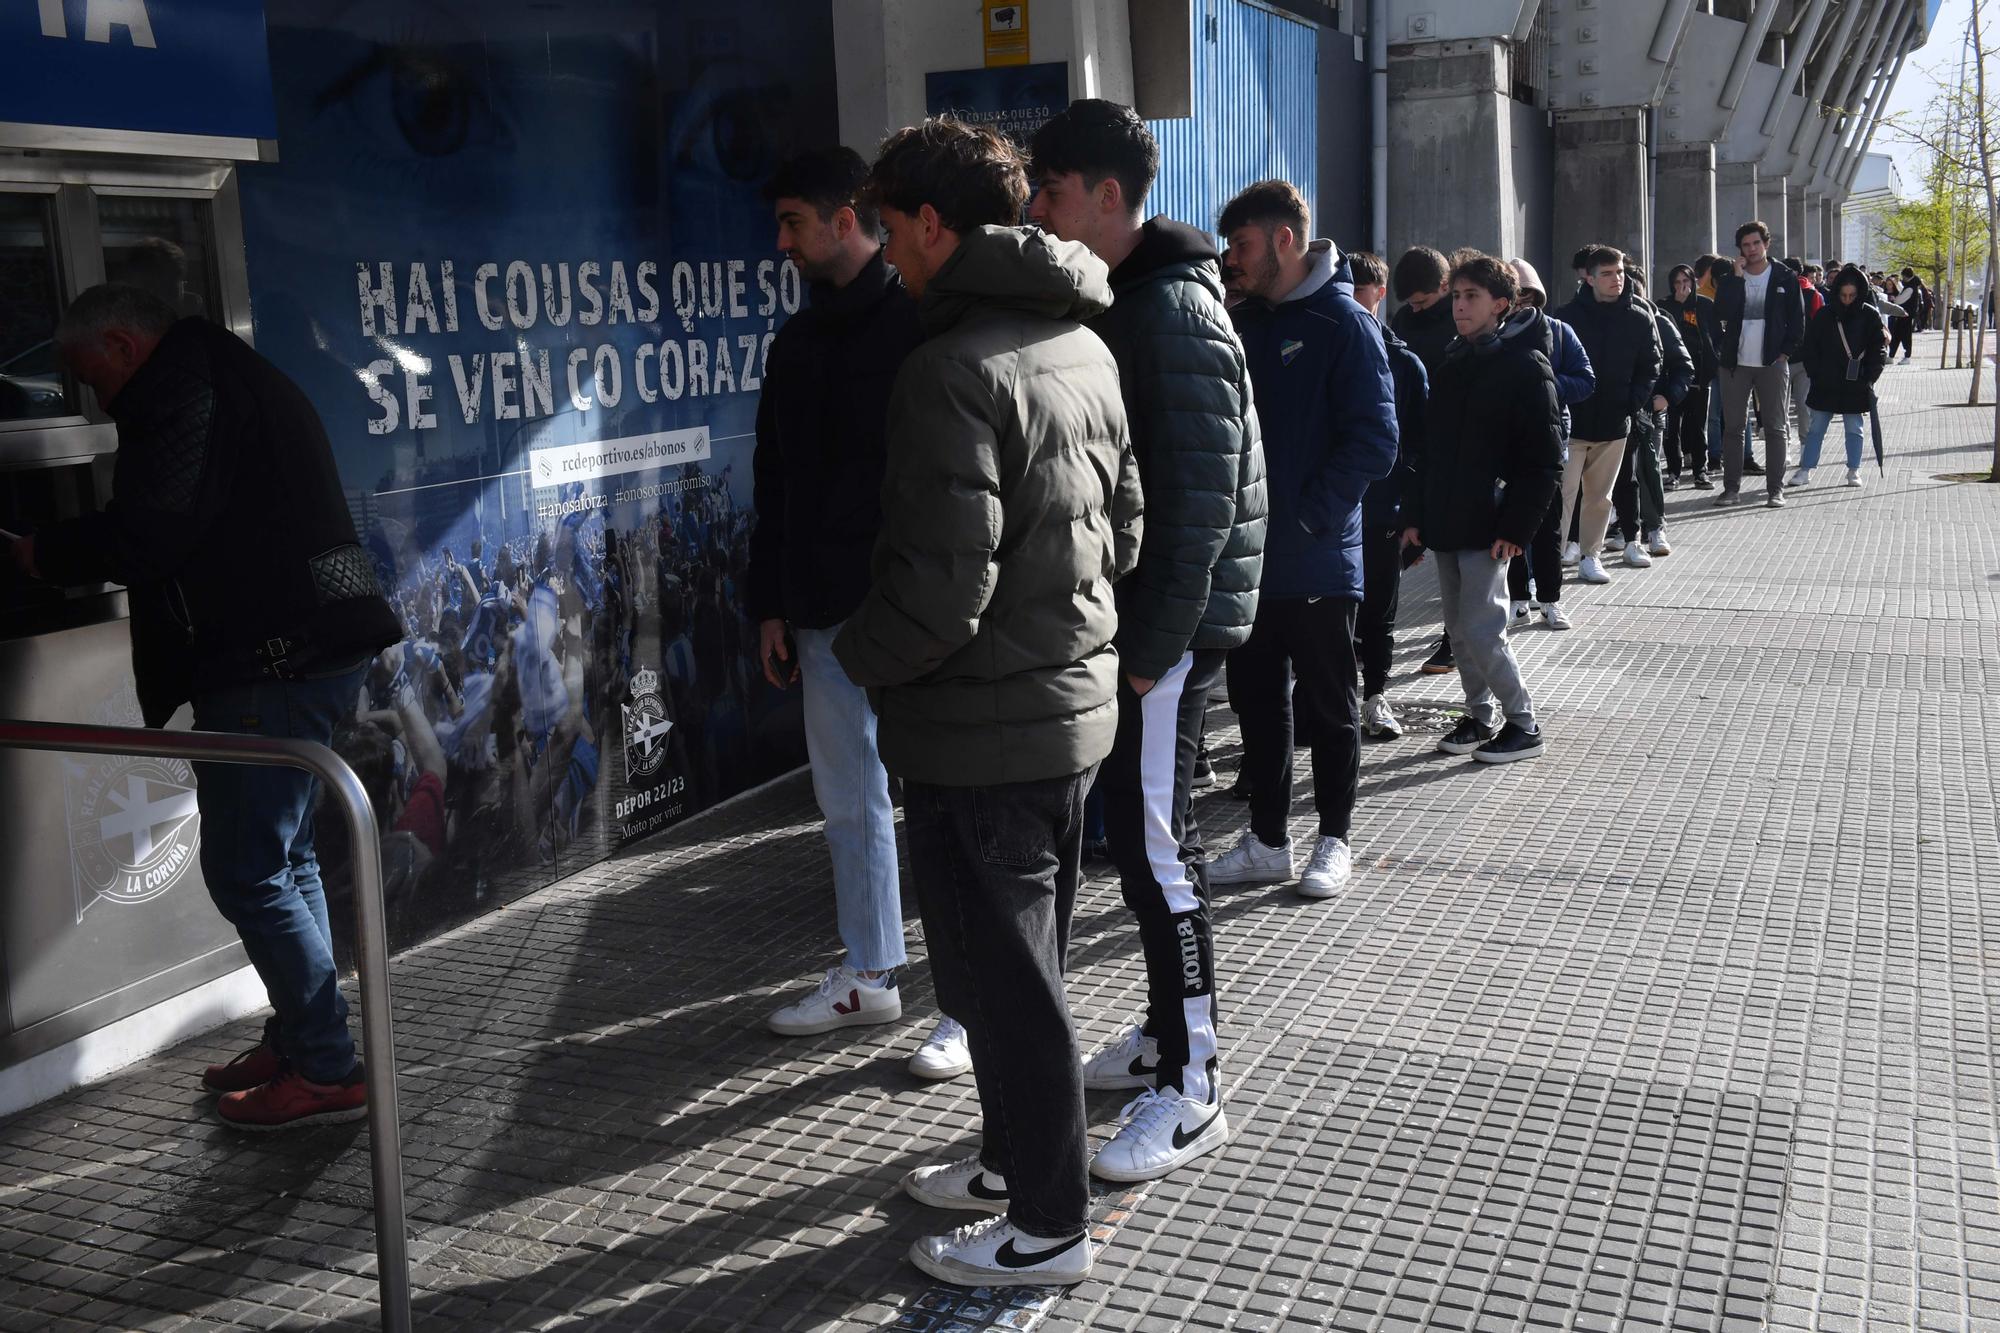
1010, 504
1192, 598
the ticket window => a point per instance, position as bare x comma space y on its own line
68, 222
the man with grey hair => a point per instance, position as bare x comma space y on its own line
251, 600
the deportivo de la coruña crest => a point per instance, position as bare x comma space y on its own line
133, 829
646, 727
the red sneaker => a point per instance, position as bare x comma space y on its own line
260, 1064
291, 1099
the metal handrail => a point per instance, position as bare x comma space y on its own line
385, 1145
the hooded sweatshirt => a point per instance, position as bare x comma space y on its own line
1327, 405
1010, 504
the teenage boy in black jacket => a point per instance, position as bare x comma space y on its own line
1687, 422
821, 425
1624, 348
1191, 598
1483, 482
1424, 323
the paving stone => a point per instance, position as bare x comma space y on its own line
1689, 1025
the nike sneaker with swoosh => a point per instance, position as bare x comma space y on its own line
1130, 1061
993, 1252
1158, 1133
966, 1185
844, 1000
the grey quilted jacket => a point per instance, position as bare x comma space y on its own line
1010, 504
1201, 463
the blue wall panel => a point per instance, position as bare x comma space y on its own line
1256, 96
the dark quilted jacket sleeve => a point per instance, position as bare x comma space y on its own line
764, 596
1677, 368
936, 564
1534, 459
1185, 388
168, 485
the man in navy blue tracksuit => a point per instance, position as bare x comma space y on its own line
1324, 392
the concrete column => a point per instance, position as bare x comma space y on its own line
1735, 202
1600, 178
1451, 176
1829, 231
1771, 208
1684, 214
1799, 233
1811, 247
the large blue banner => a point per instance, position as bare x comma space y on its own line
519, 261
160, 66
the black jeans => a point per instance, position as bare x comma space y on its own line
1375, 623
1148, 786
1899, 336
1314, 638
996, 870
1542, 561
1686, 445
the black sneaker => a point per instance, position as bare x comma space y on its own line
1700, 482
1441, 662
1512, 743
1466, 737
1204, 772
1753, 469
1240, 789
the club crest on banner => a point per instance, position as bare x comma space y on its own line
133, 829
646, 727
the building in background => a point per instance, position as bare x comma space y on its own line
1878, 188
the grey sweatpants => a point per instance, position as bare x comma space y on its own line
1772, 385
1473, 586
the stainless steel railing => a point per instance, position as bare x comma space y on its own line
385, 1144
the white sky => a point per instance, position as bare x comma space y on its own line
1935, 65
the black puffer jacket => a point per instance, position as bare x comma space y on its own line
1825, 357
1429, 332
820, 429
1694, 320
1624, 348
1382, 506
1676, 366
1492, 453
227, 524
1201, 463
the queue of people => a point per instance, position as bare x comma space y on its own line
1025, 496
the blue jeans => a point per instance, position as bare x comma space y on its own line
1854, 423
257, 856
852, 788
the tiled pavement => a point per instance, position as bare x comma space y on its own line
1689, 1025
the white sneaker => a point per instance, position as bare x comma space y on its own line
1378, 719
1571, 553
1554, 616
945, 1055
1250, 861
1635, 556
993, 1252
966, 1185
1130, 1060
1803, 477
1656, 543
843, 1000
1329, 869
1591, 570
1853, 477
1520, 617
1158, 1132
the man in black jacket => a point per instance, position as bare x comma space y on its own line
820, 430
1424, 323
251, 600
1640, 497
1760, 319
1191, 598
1624, 349
1687, 422
1483, 480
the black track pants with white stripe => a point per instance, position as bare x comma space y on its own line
1148, 783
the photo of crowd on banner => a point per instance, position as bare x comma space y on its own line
563, 685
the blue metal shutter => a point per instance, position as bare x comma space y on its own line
1256, 103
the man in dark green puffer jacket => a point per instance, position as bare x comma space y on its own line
1010, 504
1192, 598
